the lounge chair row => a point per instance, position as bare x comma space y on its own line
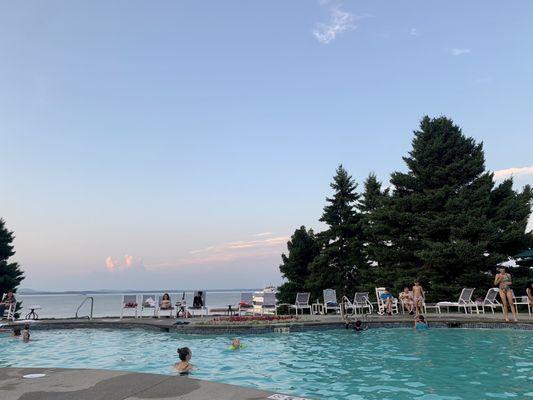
151, 305
361, 303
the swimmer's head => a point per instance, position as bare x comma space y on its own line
236, 342
16, 331
358, 323
184, 353
421, 318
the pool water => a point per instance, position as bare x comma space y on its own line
340, 364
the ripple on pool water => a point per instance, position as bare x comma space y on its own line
376, 364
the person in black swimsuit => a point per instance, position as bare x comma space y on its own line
184, 367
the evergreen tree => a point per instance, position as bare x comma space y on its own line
302, 250
444, 224
372, 199
341, 246
10, 273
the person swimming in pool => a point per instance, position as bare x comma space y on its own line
421, 323
504, 282
184, 367
358, 326
236, 344
26, 334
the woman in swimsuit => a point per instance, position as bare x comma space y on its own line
504, 282
184, 367
529, 292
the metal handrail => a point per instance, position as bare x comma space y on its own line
90, 316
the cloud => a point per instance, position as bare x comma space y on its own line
231, 251
459, 52
129, 263
339, 22
110, 264
413, 32
264, 234
513, 171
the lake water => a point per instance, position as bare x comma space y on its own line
109, 305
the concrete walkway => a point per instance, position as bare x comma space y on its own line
75, 384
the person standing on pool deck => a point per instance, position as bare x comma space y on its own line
529, 292
504, 282
418, 297
184, 367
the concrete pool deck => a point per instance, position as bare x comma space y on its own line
210, 324
91, 384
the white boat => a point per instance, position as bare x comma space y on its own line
258, 297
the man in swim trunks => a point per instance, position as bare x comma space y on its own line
418, 297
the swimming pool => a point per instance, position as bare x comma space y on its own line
336, 364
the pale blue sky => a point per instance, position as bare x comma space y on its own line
177, 144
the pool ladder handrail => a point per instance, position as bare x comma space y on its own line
90, 316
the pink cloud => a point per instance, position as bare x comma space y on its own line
130, 262
228, 252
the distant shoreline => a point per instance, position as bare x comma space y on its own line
29, 292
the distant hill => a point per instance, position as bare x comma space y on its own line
27, 291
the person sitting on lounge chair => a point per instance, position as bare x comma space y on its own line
7, 301
198, 301
386, 296
407, 300
166, 303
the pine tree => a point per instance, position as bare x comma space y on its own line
10, 273
341, 245
444, 224
372, 200
302, 250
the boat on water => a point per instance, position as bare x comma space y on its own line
258, 297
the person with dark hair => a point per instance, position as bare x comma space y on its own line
166, 303
16, 332
421, 323
184, 367
504, 282
358, 326
198, 300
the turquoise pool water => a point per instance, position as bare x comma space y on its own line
375, 364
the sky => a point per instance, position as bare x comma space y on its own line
178, 144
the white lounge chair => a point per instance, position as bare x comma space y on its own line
247, 302
491, 300
163, 311
465, 301
330, 300
129, 302
382, 306
360, 302
148, 302
198, 303
522, 301
269, 304
301, 303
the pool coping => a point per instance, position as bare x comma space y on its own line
98, 384
209, 326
